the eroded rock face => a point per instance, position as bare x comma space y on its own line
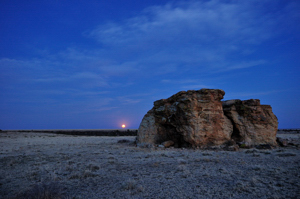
197, 119
192, 118
253, 123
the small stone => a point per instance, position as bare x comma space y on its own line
167, 144
282, 142
233, 148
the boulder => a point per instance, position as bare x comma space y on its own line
147, 134
168, 143
198, 118
253, 124
191, 118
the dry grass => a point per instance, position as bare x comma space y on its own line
36, 165
50, 190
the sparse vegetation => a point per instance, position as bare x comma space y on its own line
102, 167
49, 190
129, 184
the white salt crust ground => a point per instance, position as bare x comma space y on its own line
60, 166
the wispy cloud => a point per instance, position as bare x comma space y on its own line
92, 105
187, 37
127, 100
242, 65
187, 84
252, 94
106, 109
72, 92
83, 77
192, 33
214, 20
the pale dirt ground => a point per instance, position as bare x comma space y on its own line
35, 165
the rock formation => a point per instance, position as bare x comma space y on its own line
200, 119
253, 123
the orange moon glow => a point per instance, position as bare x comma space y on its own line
123, 125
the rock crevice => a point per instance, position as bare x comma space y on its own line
200, 119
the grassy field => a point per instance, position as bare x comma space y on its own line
49, 165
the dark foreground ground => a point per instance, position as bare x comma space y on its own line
51, 165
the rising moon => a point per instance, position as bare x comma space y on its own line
123, 125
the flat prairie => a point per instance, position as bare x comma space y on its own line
47, 165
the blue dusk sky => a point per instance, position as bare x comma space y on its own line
78, 64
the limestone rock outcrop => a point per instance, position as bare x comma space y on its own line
197, 119
253, 123
192, 118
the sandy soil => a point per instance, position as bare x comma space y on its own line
36, 165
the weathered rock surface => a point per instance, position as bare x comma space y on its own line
253, 123
196, 119
192, 118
